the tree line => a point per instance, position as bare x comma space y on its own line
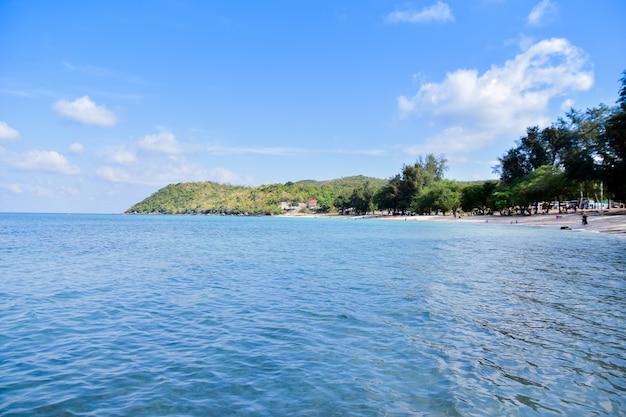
580, 156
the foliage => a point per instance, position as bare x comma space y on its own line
362, 198
442, 196
214, 198
546, 184
616, 140
479, 198
585, 148
398, 195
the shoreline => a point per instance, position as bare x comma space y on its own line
609, 222
602, 223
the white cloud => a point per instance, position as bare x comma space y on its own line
368, 152
76, 148
8, 133
72, 191
286, 151
275, 151
405, 105
476, 108
46, 189
223, 175
120, 156
522, 40
164, 142
542, 12
567, 105
83, 110
153, 173
14, 188
46, 161
440, 11
448, 141
114, 174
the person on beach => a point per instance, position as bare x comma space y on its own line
584, 219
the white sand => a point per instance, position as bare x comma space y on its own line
607, 222
612, 221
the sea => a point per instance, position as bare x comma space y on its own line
111, 315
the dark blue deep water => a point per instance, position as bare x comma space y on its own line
105, 315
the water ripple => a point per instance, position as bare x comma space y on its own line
111, 316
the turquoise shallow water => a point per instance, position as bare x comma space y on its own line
104, 315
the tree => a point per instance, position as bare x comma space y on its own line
512, 165
410, 185
433, 168
588, 157
399, 194
447, 196
585, 145
503, 199
424, 202
341, 202
616, 165
478, 197
554, 141
362, 199
546, 183
388, 196
534, 147
616, 142
622, 92
443, 196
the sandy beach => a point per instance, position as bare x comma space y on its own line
613, 222
610, 221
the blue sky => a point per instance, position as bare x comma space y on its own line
104, 102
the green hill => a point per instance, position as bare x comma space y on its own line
213, 198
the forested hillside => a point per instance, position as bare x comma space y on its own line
214, 198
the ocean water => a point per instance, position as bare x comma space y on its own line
109, 315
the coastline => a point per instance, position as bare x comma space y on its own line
609, 222
603, 223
